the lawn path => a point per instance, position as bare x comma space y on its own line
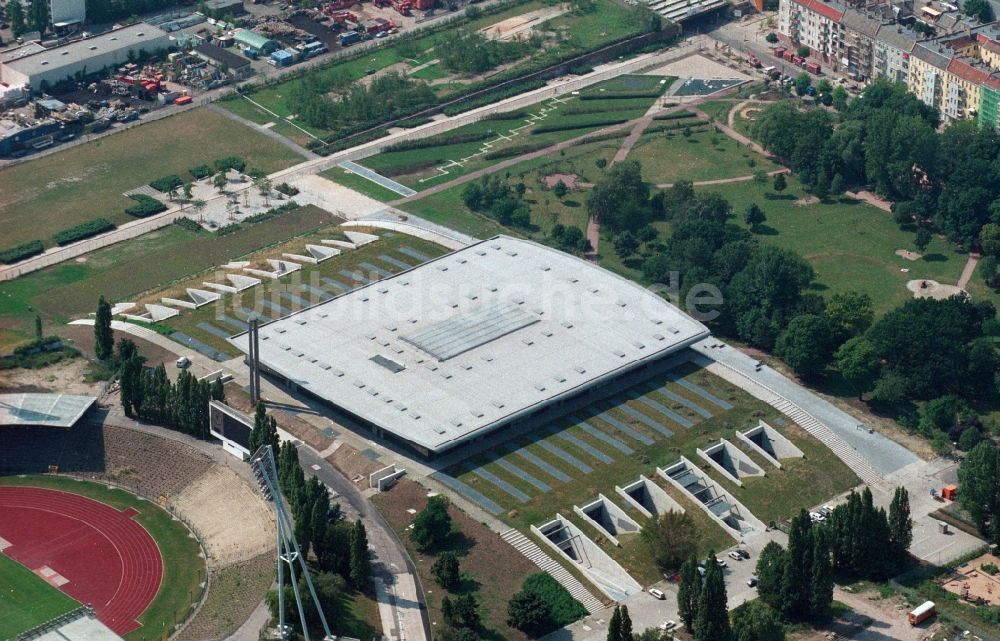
267, 131
732, 133
970, 267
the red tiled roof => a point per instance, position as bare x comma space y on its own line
988, 43
825, 10
993, 82
965, 71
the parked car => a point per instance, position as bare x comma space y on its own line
183, 362
666, 626
720, 562
816, 517
736, 556
743, 552
657, 594
752, 582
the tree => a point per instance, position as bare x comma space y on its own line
103, 336
796, 584
851, 313
38, 327
39, 14
615, 625
979, 9
821, 579
770, 572
560, 189
626, 632
712, 622
688, 591
220, 181
803, 51
218, 390
771, 38
529, 613
671, 538
620, 198
979, 478
187, 190
601, 163
900, 523
445, 570
432, 527
859, 364
755, 621
989, 239
626, 244
802, 83
839, 98
467, 611
18, 23
970, 437
264, 430
780, 182
922, 239
361, 571
806, 344
760, 178
753, 216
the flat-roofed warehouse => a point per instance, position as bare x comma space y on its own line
88, 56
471, 342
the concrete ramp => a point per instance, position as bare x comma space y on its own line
299, 258
342, 244
202, 297
283, 267
186, 304
565, 538
609, 519
769, 443
360, 238
121, 308
236, 264
648, 497
154, 313
730, 461
241, 282
219, 287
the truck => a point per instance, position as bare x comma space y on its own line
788, 55
772, 72
813, 68
778, 52
349, 38
921, 613
754, 62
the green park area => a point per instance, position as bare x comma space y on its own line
88, 181
27, 600
126, 270
534, 477
439, 65
183, 568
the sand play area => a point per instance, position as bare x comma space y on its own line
974, 584
924, 288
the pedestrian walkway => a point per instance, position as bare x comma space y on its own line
377, 178
529, 549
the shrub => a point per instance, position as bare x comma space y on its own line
437, 141
287, 189
22, 251
166, 183
621, 95
81, 231
683, 113
230, 162
578, 125
410, 123
989, 568
201, 171
507, 115
188, 224
491, 97
146, 206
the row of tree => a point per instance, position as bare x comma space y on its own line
797, 582
702, 603
493, 196
979, 479
32, 16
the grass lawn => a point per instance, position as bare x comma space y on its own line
447, 208
183, 569
668, 157
27, 600
358, 183
851, 245
43, 196
300, 284
128, 269
719, 109
494, 569
781, 493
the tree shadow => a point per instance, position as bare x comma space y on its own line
935, 258
633, 263
468, 585
764, 230
459, 543
571, 203
773, 196
817, 287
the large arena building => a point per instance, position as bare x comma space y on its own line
475, 341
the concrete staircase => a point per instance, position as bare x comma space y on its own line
824, 434
528, 548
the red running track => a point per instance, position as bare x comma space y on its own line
109, 560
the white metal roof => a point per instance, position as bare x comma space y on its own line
464, 343
80, 50
52, 410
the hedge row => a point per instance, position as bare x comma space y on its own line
166, 183
22, 251
674, 116
437, 141
580, 111
578, 125
231, 162
414, 122
493, 96
287, 189
507, 115
515, 150
225, 230
83, 230
145, 206
188, 224
409, 168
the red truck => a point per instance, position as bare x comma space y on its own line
778, 52
813, 68
788, 55
754, 62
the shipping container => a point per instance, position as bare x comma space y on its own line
778, 51
183, 100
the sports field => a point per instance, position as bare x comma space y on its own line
160, 593
45, 195
26, 600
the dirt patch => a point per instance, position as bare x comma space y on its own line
65, 377
353, 465
807, 200
521, 26
572, 181
908, 255
750, 113
924, 288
